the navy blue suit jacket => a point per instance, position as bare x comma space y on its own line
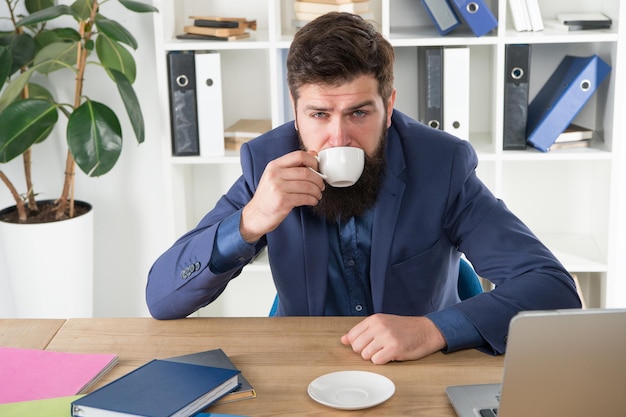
432, 207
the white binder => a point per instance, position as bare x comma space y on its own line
209, 101
456, 85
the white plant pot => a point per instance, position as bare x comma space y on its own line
50, 267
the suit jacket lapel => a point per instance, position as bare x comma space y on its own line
386, 218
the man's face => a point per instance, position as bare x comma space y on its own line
352, 114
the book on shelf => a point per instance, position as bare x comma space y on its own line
32, 374
197, 37
219, 359
307, 17
585, 19
534, 13
555, 24
574, 133
519, 13
221, 32
583, 143
243, 130
223, 22
159, 388
314, 7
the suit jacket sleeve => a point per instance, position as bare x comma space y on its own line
527, 276
182, 280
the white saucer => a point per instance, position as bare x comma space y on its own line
351, 390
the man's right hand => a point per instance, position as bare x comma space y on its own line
286, 183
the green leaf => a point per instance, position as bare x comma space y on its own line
22, 47
115, 31
36, 5
56, 56
48, 37
6, 62
14, 88
131, 103
115, 57
38, 91
94, 137
46, 15
25, 123
137, 6
82, 9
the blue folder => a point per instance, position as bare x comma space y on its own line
477, 15
442, 15
562, 97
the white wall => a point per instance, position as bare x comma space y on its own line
128, 201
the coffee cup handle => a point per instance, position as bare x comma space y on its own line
318, 173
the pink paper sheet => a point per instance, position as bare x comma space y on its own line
28, 374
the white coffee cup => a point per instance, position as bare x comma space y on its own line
341, 166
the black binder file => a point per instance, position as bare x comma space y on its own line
430, 84
516, 78
183, 106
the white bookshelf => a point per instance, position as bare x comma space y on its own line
572, 200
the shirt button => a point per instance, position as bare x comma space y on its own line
350, 262
358, 307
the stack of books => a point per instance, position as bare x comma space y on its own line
307, 10
218, 28
574, 136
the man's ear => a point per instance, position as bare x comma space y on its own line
390, 103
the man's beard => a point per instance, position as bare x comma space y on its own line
345, 202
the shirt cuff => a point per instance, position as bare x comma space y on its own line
457, 329
230, 250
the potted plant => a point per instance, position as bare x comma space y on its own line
52, 39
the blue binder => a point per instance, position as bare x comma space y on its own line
477, 15
442, 15
562, 97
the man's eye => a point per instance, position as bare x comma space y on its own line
359, 113
318, 115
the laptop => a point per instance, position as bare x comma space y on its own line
564, 363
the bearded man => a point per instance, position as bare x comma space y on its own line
386, 248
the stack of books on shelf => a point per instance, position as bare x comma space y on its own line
218, 28
580, 21
307, 10
574, 136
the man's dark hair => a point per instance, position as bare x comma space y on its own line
336, 48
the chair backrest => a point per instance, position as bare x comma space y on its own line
468, 285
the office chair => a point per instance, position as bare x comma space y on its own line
468, 285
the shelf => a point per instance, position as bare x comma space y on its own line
570, 198
578, 253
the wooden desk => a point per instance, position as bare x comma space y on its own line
280, 356
28, 333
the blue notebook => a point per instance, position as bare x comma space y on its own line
159, 388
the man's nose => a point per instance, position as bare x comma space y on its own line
338, 133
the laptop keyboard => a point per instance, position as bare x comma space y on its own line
488, 412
